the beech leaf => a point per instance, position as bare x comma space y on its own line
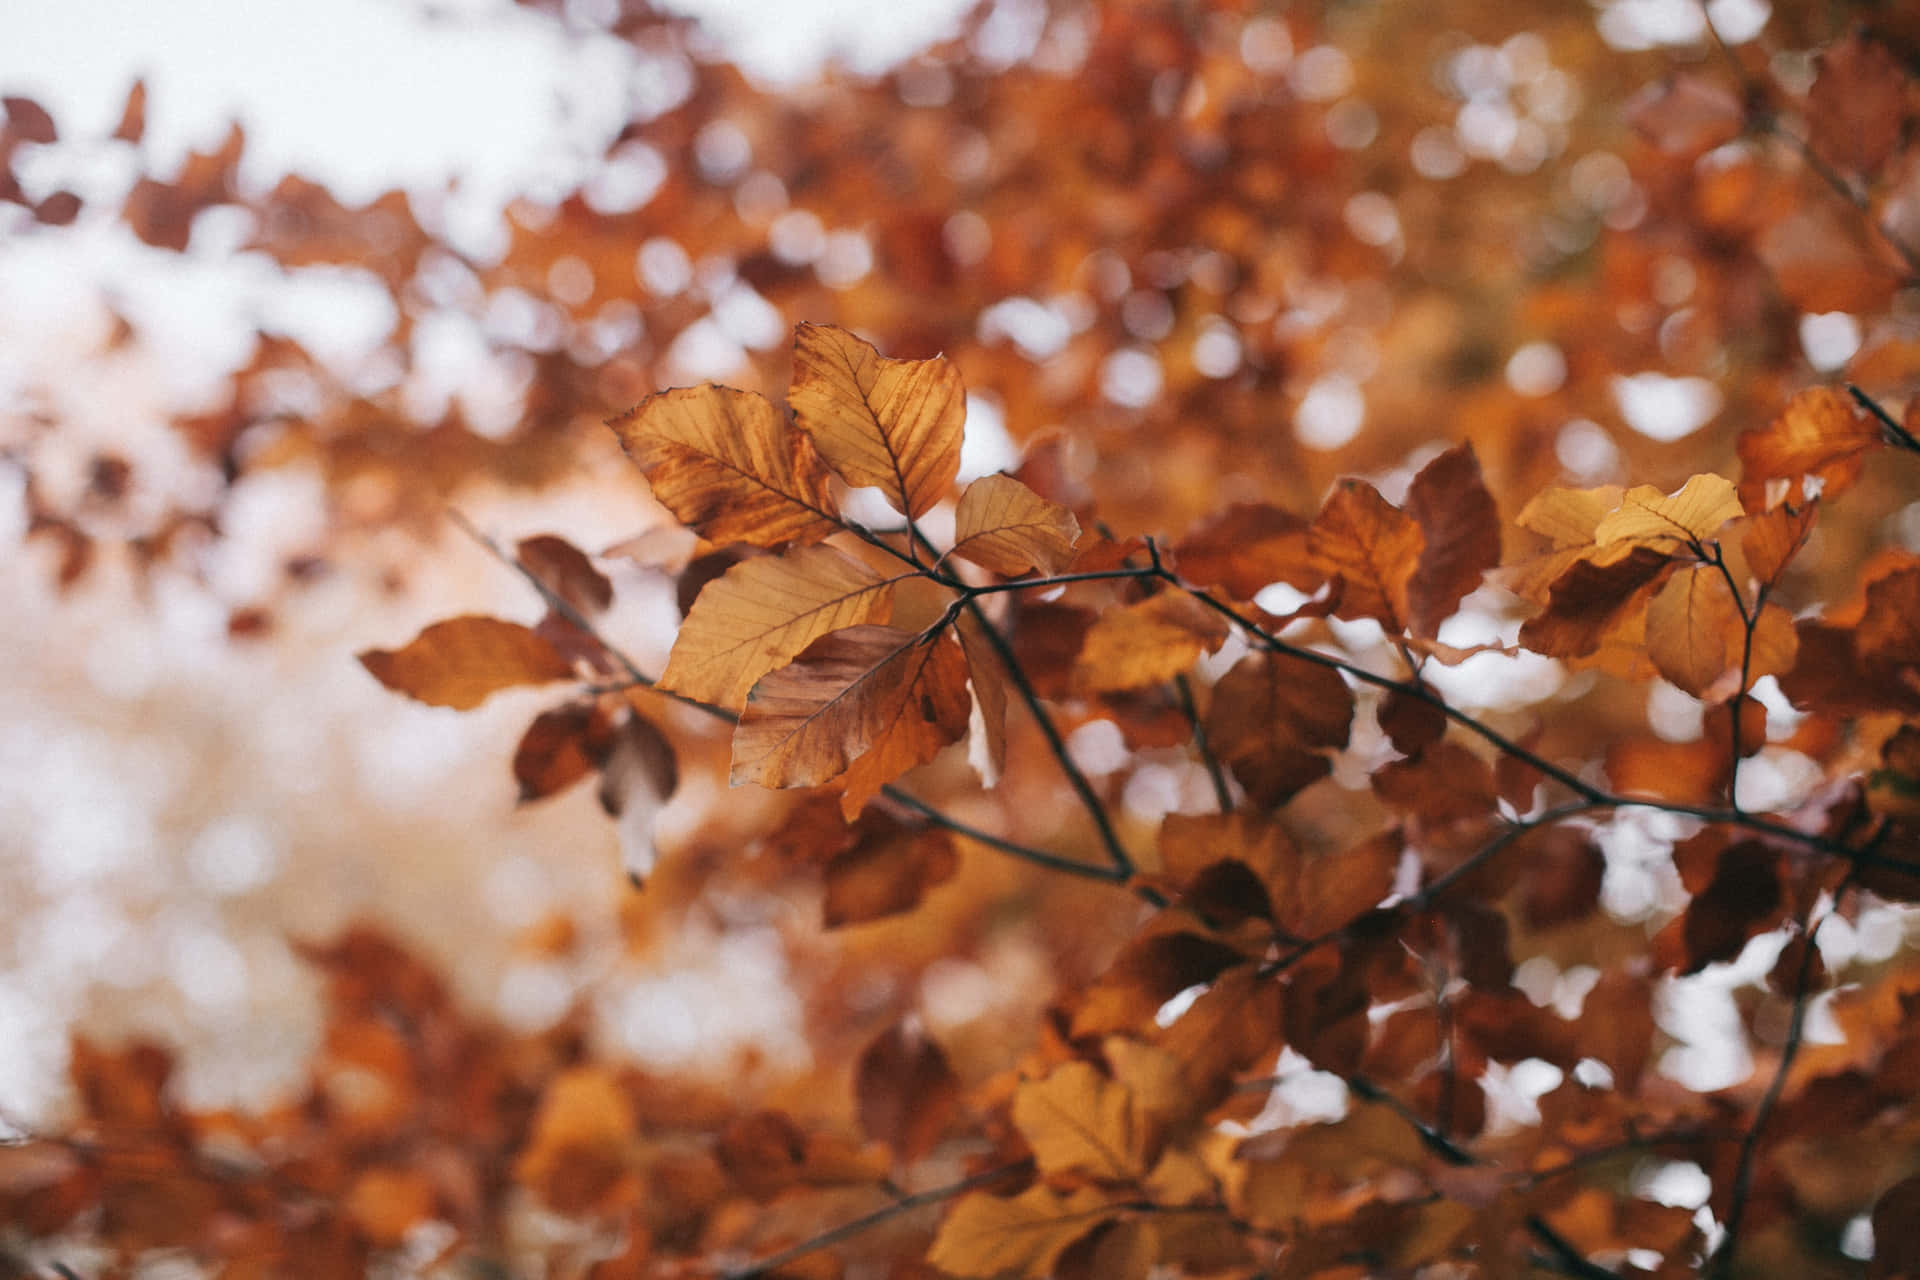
1148, 643
1461, 526
728, 466
987, 1235
762, 613
1373, 548
892, 424
1694, 631
865, 688
1693, 514
463, 661
1004, 526
1820, 433
1270, 717
987, 676
1077, 1118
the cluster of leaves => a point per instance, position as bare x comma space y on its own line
1369, 923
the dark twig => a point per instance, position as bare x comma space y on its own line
1183, 689
1900, 436
847, 1230
1561, 1255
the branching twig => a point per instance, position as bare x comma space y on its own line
1898, 434
847, 1230
1183, 688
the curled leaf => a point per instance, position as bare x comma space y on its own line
892, 424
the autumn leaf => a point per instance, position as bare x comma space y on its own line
1148, 643
559, 748
1077, 1118
892, 424
728, 467
905, 1091
1004, 526
1685, 115
463, 661
987, 1236
1821, 433
1649, 517
1858, 103
566, 571
1773, 538
987, 677
885, 873
867, 688
1270, 718
1695, 632
1592, 598
1247, 547
762, 613
1373, 548
1461, 530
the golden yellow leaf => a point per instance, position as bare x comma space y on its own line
892, 424
1077, 1118
1024, 1235
1372, 547
463, 661
729, 467
1570, 516
1693, 514
867, 687
1147, 643
762, 613
1694, 632
1776, 643
1004, 526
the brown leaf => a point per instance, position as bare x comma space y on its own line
1148, 643
728, 467
1447, 784
987, 677
762, 613
565, 570
885, 873
1564, 872
1149, 972
1820, 433
1743, 899
1461, 526
463, 661
987, 1236
1775, 537
892, 424
559, 748
1373, 548
28, 121
905, 1091
1893, 1218
1592, 598
1617, 1026
1004, 526
1270, 717
1858, 103
1685, 115
1411, 723
1335, 888
1695, 634
863, 689
1247, 547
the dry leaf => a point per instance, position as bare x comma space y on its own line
463, 661
1004, 526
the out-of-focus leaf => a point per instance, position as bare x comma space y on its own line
1008, 528
559, 748
1775, 537
1821, 433
463, 661
566, 571
728, 467
885, 872
905, 1091
892, 424
1079, 1119
1858, 104
1024, 1235
987, 677
1685, 115
1247, 547
762, 613
1148, 643
1270, 718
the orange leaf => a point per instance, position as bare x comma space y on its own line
1147, 643
1269, 716
1693, 514
1006, 527
1025, 1235
1695, 634
1450, 503
886, 873
580, 1147
463, 661
1773, 538
1076, 1118
892, 424
728, 467
1685, 115
1245, 548
1373, 547
1820, 433
865, 688
763, 612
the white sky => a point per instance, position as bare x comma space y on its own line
368, 94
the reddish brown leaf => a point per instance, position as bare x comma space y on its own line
1858, 104
905, 1091
887, 872
1411, 723
1592, 598
1743, 899
1775, 537
1685, 115
987, 678
463, 661
565, 570
1270, 717
133, 116
1461, 528
1247, 547
559, 748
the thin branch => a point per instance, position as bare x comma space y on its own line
1095, 807
1901, 437
1561, 1255
1430, 1136
1183, 687
1722, 1263
847, 1230
1766, 122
